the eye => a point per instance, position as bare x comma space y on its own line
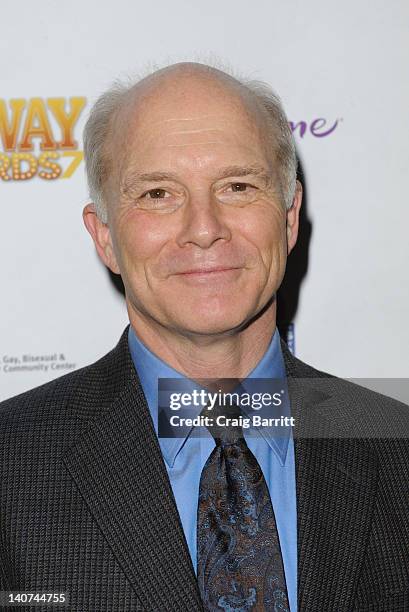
239, 186
160, 199
237, 193
242, 188
155, 194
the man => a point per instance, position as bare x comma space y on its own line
196, 206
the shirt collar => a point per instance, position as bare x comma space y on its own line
150, 368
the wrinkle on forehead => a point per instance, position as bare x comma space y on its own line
199, 131
186, 118
189, 144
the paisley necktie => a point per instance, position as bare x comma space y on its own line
239, 562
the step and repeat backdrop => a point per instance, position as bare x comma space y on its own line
341, 72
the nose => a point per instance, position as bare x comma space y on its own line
203, 222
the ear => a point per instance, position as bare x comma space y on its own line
101, 236
293, 216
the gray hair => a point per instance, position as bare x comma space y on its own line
98, 125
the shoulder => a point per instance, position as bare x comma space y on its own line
353, 411
355, 392
68, 402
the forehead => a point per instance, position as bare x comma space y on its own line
189, 118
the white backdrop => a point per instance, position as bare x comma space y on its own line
345, 63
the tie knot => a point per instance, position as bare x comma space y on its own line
225, 424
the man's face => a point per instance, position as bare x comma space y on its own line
197, 226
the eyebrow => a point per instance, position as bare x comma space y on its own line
240, 171
254, 170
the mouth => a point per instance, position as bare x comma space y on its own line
203, 271
214, 277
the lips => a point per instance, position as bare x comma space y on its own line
209, 270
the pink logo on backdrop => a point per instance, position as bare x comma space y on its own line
319, 128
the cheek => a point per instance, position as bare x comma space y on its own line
140, 238
266, 232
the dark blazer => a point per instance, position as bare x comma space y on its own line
86, 506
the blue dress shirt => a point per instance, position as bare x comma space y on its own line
185, 457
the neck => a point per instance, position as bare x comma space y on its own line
229, 355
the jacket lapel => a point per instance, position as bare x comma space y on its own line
336, 480
118, 467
